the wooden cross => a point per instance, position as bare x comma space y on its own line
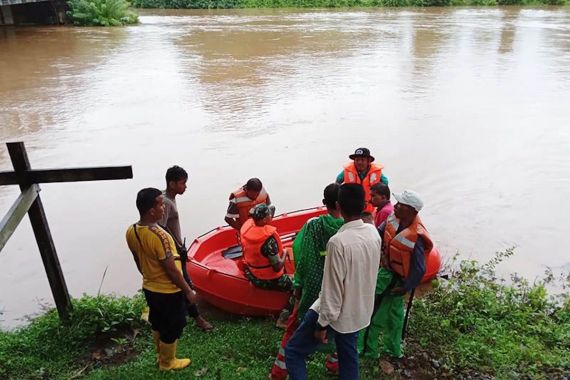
29, 202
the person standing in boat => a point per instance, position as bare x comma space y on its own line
166, 292
346, 298
362, 170
309, 249
263, 254
243, 200
405, 245
176, 179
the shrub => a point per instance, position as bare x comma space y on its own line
509, 2
50, 348
101, 12
554, 2
483, 3
393, 3
476, 321
430, 3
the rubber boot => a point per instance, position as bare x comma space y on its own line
168, 360
156, 339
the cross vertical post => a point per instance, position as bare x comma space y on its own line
42, 233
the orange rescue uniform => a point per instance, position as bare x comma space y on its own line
399, 246
252, 239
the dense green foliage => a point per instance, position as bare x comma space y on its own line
229, 4
101, 12
476, 322
474, 325
47, 349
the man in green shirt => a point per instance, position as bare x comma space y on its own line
309, 250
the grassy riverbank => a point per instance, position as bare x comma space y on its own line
229, 4
472, 325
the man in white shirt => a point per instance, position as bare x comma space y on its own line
346, 300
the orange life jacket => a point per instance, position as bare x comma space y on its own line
244, 203
399, 247
373, 177
252, 238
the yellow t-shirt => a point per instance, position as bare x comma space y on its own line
155, 245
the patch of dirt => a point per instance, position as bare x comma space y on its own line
422, 364
113, 348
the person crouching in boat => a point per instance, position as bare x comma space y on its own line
263, 253
243, 200
309, 249
405, 245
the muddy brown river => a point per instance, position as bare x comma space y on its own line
469, 107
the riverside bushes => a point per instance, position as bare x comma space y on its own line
101, 12
476, 322
473, 326
46, 349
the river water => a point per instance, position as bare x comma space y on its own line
469, 107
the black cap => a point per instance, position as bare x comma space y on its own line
361, 152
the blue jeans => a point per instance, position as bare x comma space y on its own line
303, 343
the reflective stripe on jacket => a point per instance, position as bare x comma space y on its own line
244, 203
399, 246
252, 239
373, 177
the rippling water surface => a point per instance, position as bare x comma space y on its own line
469, 107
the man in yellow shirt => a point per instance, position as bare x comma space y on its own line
165, 290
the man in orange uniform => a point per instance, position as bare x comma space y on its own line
405, 246
243, 200
362, 171
263, 253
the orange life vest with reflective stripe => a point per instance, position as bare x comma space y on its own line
373, 177
399, 247
244, 203
252, 238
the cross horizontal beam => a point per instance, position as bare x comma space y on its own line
16, 213
65, 175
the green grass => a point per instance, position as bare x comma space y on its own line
471, 325
476, 322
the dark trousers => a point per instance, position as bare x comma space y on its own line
167, 314
303, 343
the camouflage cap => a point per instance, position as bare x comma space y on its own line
260, 211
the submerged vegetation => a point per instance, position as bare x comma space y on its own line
473, 325
228, 4
101, 13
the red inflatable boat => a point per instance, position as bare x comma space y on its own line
213, 266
